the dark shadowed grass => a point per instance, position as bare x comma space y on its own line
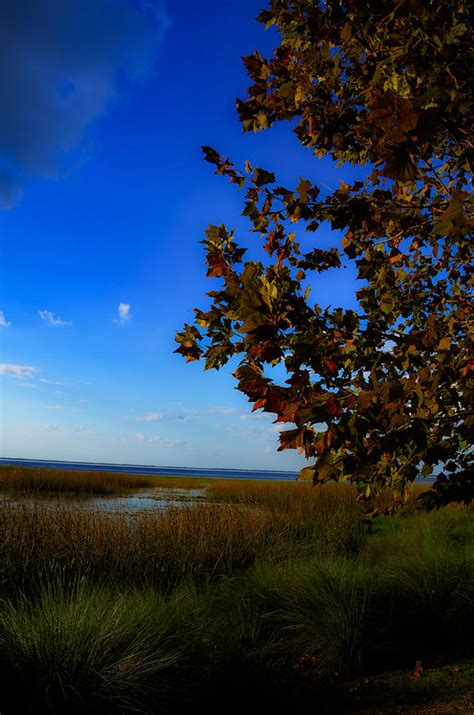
276, 628
301, 613
423, 568
408, 595
73, 647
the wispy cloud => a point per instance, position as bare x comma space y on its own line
162, 417
152, 417
123, 313
160, 441
4, 323
54, 320
249, 432
223, 411
190, 414
63, 428
280, 427
20, 371
193, 412
166, 442
257, 416
50, 382
53, 428
68, 82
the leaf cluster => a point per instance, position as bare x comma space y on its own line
381, 393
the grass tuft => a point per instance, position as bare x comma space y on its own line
74, 646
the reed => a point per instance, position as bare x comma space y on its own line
160, 548
37, 480
264, 582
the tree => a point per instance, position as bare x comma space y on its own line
378, 394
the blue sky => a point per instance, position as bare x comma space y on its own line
105, 197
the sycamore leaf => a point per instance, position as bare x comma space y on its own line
380, 392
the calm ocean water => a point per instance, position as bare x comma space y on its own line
150, 469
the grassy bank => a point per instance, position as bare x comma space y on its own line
35, 480
160, 548
274, 593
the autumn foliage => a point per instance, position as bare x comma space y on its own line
380, 394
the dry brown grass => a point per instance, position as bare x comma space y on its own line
242, 521
162, 547
37, 480
150, 547
277, 495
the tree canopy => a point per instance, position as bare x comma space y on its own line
379, 394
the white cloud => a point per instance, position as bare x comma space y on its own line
152, 417
166, 442
53, 428
4, 323
222, 410
250, 432
160, 440
193, 412
52, 319
62, 428
161, 417
257, 416
20, 371
50, 382
124, 313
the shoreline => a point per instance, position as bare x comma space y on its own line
210, 473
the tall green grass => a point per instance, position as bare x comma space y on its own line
423, 567
407, 595
75, 647
305, 614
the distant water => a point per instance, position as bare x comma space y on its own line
150, 469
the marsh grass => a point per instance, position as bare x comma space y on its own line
162, 547
35, 481
78, 647
199, 540
307, 613
322, 607
264, 583
423, 570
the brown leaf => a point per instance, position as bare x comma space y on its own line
418, 671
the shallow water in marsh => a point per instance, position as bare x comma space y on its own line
158, 498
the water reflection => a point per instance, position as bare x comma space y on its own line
157, 499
